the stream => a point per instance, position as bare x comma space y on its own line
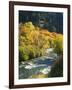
37, 67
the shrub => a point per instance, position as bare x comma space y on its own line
58, 44
32, 52
33, 41
26, 57
23, 55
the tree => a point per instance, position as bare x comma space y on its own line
58, 44
33, 41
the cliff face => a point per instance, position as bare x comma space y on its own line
47, 20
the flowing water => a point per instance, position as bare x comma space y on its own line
37, 68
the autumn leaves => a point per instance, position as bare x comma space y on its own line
33, 41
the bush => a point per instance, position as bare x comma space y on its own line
33, 41
23, 55
58, 44
32, 53
29, 52
26, 57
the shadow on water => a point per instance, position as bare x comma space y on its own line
46, 61
36, 66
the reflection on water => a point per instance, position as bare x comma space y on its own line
43, 65
38, 67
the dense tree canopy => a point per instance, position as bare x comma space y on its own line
33, 41
53, 21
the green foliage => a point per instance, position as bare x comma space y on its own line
32, 53
58, 44
57, 69
29, 52
26, 57
33, 41
23, 55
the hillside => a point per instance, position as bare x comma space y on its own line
48, 20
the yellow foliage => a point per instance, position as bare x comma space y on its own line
35, 37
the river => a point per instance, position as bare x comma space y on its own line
38, 67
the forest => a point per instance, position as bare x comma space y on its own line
35, 41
